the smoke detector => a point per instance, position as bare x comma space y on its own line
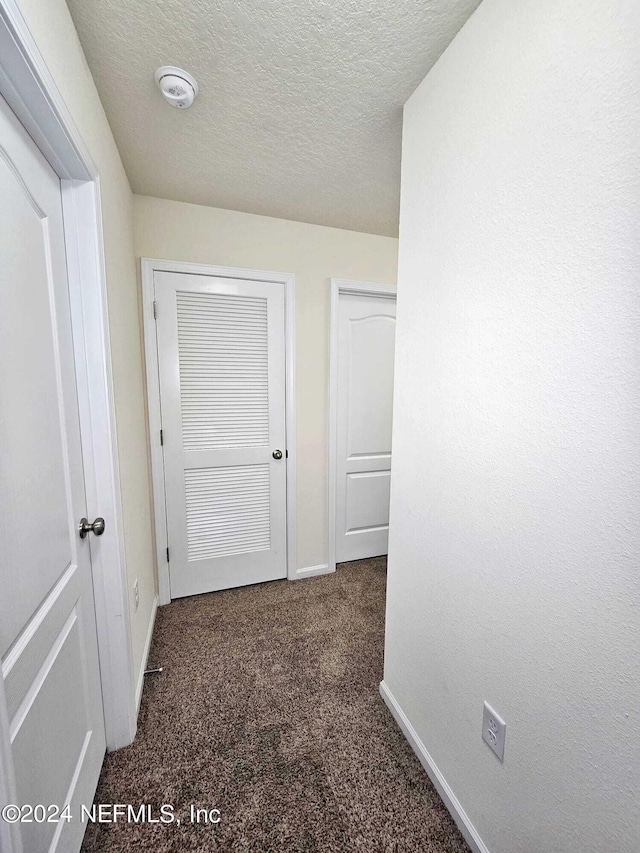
177, 86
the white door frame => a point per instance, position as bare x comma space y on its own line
338, 287
28, 87
148, 267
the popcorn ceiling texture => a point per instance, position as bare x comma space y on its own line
300, 107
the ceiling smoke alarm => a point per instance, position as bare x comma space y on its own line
177, 86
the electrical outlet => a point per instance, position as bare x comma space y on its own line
494, 730
136, 594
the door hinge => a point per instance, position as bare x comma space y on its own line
161, 436
167, 555
155, 310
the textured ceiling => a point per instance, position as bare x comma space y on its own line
300, 105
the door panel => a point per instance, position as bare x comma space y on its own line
48, 645
366, 341
367, 501
221, 357
369, 348
228, 510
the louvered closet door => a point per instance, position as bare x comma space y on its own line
221, 352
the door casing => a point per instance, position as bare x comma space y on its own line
28, 87
149, 266
338, 287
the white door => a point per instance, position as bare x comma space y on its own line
366, 341
48, 646
221, 357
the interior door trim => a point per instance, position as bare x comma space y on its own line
30, 90
341, 286
149, 266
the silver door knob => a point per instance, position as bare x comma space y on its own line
277, 454
85, 527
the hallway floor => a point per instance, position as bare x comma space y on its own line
268, 710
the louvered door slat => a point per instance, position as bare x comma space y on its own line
221, 524
213, 331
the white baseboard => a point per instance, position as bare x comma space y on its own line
311, 571
439, 782
145, 654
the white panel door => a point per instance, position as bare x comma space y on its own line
48, 644
366, 341
221, 357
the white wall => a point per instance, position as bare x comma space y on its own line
514, 567
52, 28
189, 232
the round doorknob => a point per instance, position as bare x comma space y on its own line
85, 527
277, 454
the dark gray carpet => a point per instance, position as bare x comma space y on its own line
268, 709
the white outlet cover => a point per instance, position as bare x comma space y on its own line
494, 730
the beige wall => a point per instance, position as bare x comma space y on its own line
53, 30
188, 232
